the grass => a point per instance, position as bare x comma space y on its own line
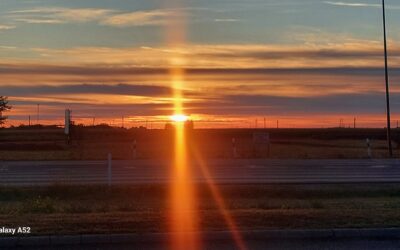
288, 149
95, 143
129, 209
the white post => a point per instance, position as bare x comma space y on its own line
369, 151
109, 169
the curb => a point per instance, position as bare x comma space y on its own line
87, 239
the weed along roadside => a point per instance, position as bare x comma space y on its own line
100, 209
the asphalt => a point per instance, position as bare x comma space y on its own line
388, 238
235, 171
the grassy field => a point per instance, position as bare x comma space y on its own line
95, 143
138, 209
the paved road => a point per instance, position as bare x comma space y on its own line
350, 244
222, 171
275, 239
254, 245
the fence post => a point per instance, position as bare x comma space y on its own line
134, 149
109, 169
234, 149
369, 151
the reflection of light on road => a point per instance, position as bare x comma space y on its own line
237, 237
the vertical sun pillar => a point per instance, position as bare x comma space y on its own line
183, 215
183, 218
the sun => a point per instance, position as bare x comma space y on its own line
179, 118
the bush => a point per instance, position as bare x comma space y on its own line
39, 205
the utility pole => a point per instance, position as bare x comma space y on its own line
29, 118
265, 123
123, 120
277, 123
388, 127
355, 120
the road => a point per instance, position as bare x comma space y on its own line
222, 171
255, 245
273, 239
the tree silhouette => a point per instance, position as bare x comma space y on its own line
3, 108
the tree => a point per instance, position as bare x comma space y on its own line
3, 108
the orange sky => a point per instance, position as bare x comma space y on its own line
307, 77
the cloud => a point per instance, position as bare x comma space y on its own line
353, 4
344, 103
40, 21
347, 53
224, 79
6, 27
116, 89
225, 105
139, 18
47, 15
109, 17
6, 47
229, 20
361, 5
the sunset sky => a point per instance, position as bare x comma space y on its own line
308, 63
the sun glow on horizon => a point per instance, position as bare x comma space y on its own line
179, 118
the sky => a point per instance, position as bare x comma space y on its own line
306, 63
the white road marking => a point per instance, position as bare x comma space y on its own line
379, 166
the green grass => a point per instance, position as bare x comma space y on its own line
95, 144
98, 209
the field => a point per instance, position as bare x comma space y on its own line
145, 208
94, 143
141, 209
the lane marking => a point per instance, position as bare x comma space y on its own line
254, 166
379, 166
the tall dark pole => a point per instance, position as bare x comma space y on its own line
389, 137
38, 114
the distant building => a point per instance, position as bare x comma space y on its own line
169, 126
189, 125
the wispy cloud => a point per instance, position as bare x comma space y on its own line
139, 18
6, 47
6, 27
350, 52
109, 17
40, 21
348, 4
58, 15
106, 17
106, 89
226, 20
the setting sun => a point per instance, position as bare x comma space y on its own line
179, 118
